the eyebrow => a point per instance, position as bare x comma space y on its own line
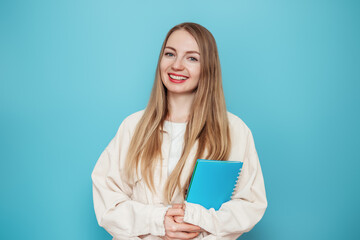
186, 51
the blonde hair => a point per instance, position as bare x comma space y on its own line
207, 125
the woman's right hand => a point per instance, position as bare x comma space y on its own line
175, 229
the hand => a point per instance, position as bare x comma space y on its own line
180, 218
175, 227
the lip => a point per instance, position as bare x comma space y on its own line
179, 75
175, 80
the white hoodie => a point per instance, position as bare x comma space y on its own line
129, 210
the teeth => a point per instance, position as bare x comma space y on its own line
177, 77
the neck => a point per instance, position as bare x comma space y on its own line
179, 106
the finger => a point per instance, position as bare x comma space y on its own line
179, 219
185, 227
178, 206
171, 225
182, 235
174, 212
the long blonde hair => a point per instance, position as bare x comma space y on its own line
207, 125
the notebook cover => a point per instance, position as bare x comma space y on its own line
213, 182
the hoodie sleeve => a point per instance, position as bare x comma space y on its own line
115, 211
246, 208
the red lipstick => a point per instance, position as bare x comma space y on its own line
178, 75
176, 80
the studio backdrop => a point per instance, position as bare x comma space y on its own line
71, 71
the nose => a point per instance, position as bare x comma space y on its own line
178, 64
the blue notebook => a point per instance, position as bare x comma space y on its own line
213, 182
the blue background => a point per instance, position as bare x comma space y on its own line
71, 71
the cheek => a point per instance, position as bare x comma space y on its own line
162, 66
162, 72
197, 76
164, 63
196, 72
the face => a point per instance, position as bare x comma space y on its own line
180, 63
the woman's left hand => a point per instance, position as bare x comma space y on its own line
178, 218
176, 228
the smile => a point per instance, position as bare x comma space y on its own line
177, 77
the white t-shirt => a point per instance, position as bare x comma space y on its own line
176, 132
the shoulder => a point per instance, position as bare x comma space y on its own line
131, 121
135, 117
236, 123
241, 137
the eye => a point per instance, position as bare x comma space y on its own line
193, 59
169, 54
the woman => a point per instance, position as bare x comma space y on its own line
140, 180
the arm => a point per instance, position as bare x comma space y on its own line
246, 208
121, 216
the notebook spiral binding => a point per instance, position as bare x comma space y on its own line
236, 183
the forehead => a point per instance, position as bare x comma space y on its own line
181, 40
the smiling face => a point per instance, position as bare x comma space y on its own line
180, 63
